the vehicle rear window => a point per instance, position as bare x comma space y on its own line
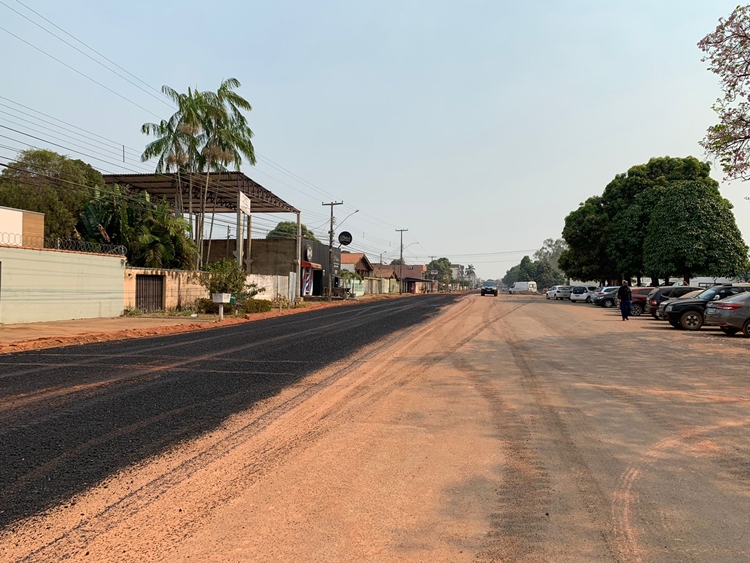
579, 290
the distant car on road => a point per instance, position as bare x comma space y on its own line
582, 293
490, 286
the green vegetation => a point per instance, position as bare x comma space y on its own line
544, 269
288, 230
208, 133
607, 234
443, 267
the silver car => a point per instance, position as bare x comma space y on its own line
732, 314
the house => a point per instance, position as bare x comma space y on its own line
19, 227
358, 263
388, 277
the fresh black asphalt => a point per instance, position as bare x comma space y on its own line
160, 391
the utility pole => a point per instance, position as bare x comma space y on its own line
401, 260
330, 250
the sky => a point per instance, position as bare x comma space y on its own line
478, 126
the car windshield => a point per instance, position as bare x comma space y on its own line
708, 294
579, 290
490, 284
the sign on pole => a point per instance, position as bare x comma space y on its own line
345, 238
244, 203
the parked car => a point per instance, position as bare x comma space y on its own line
490, 286
551, 291
562, 292
689, 313
606, 296
663, 304
582, 293
732, 314
659, 294
638, 303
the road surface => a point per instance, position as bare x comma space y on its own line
435, 428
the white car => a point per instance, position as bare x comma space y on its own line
583, 293
552, 291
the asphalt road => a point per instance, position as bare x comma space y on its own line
70, 417
509, 429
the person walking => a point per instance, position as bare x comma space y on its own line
625, 296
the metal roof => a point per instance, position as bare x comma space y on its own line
221, 196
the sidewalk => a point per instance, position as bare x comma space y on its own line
51, 334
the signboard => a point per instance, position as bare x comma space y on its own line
244, 203
345, 238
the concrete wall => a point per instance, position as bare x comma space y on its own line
274, 286
11, 226
181, 288
49, 285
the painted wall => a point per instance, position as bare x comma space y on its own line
181, 288
11, 226
49, 285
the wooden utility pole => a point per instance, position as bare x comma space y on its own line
330, 250
401, 260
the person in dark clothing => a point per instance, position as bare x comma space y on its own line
625, 296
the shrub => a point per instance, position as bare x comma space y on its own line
208, 307
257, 306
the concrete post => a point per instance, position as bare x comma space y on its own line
298, 262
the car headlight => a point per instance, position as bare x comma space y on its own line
668, 308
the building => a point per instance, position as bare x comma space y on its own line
19, 227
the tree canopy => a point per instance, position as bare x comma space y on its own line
541, 271
727, 51
50, 183
443, 267
606, 234
693, 232
288, 230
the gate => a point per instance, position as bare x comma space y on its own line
149, 293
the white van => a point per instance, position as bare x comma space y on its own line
523, 287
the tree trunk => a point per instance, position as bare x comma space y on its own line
203, 211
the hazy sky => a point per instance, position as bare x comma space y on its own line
476, 125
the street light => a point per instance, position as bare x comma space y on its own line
350, 214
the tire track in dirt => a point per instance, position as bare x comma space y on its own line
593, 498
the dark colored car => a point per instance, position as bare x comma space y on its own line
659, 294
489, 286
638, 303
690, 313
606, 296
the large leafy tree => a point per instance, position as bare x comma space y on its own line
541, 271
629, 199
585, 232
693, 232
551, 251
727, 52
288, 230
50, 183
443, 268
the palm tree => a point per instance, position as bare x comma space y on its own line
176, 145
227, 137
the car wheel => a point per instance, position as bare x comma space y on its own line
691, 320
746, 328
608, 303
636, 310
728, 330
588, 300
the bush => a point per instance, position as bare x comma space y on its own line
257, 306
226, 276
208, 307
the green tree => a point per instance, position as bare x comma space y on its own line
629, 199
585, 232
227, 136
397, 262
288, 230
551, 251
50, 183
693, 232
443, 267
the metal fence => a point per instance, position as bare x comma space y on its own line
15, 239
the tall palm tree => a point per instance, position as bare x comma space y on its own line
227, 137
177, 141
